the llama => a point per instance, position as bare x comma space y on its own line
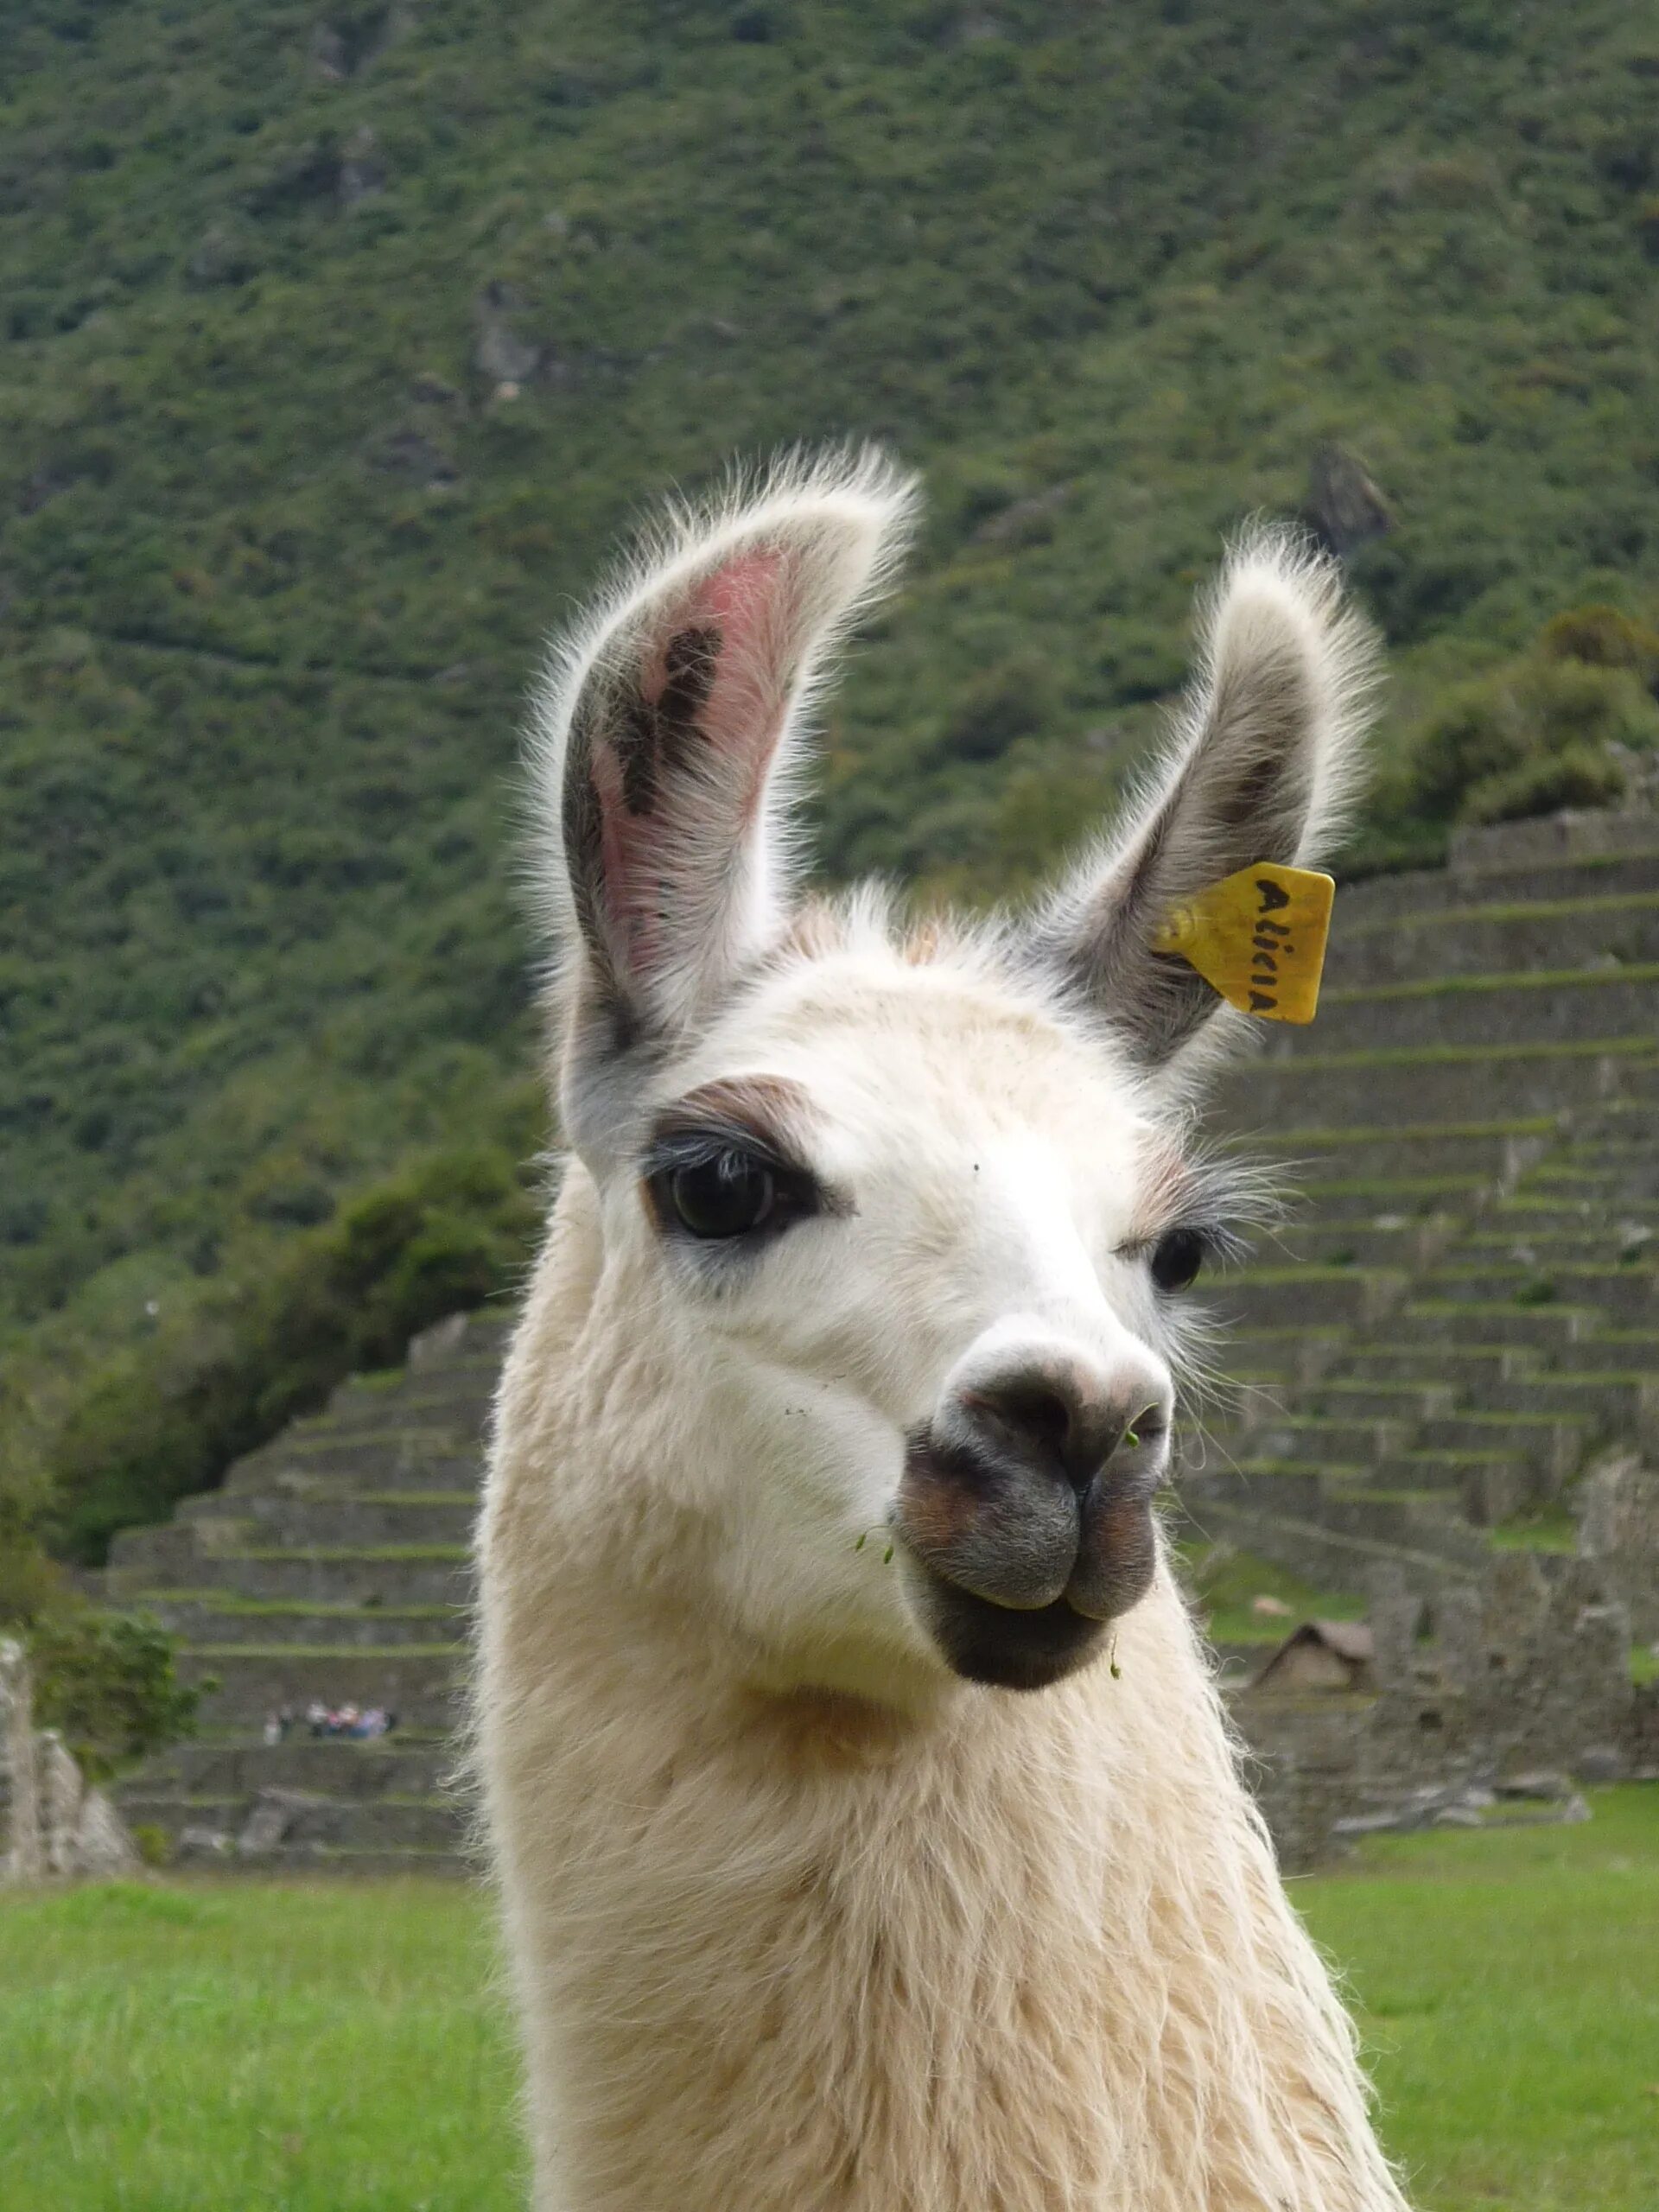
866, 1821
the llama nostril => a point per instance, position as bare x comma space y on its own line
1047, 1424
1032, 1415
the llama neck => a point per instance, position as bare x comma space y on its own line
1024, 1957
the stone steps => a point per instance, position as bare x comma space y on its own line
419, 1682
1499, 936
280, 1522
1372, 1200
300, 1861
1473, 1127
1274, 1296
1393, 1242
1329, 1557
333, 1566
1551, 1006
401, 1462
1324, 1440
1268, 1354
1443, 1367
382, 1823
1430, 1082
464, 1405
402, 1765
1408, 1399
1500, 867
1418, 1517
1484, 1152
1622, 1296
1552, 1444
1432, 1321
200, 1619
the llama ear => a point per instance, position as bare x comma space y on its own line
1264, 763
667, 731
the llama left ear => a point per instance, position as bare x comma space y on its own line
1265, 761
666, 734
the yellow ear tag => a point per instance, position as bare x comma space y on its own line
1258, 937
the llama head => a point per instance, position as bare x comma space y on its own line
900, 1222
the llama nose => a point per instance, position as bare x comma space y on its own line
1059, 1416
1026, 1467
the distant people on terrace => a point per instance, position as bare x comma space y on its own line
361, 1724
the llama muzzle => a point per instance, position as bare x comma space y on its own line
1032, 1489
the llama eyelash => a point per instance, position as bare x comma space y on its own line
1224, 1242
723, 1173
1224, 1201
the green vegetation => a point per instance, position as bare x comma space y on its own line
226, 1373
1551, 1529
1509, 1987
1224, 1582
188, 2048
107, 1681
182, 2048
334, 344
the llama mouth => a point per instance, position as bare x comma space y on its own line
1021, 1568
1004, 1649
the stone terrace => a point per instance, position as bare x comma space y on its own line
1464, 1309
332, 1564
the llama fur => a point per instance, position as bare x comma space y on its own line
799, 1918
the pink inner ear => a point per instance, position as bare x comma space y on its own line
750, 603
646, 851
743, 604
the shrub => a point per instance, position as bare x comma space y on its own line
1574, 702
1552, 730
1473, 737
1603, 638
445, 1234
107, 1680
152, 1843
1142, 663
1582, 776
996, 708
30, 1584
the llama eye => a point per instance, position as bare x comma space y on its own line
726, 1195
1176, 1259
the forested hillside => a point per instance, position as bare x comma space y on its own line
336, 343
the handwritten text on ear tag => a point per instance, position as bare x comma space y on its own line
1258, 937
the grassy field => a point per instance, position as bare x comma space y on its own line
209, 2048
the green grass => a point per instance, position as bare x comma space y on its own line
1553, 1530
1538, 1125
206, 2048
1226, 1580
1443, 918
224, 1601
1509, 1985
216, 2047
1523, 979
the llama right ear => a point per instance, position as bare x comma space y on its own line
1266, 761
664, 736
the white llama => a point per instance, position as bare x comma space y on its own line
866, 1821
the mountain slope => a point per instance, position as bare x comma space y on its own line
337, 345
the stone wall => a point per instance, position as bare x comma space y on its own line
1618, 1529
1527, 1672
52, 1821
